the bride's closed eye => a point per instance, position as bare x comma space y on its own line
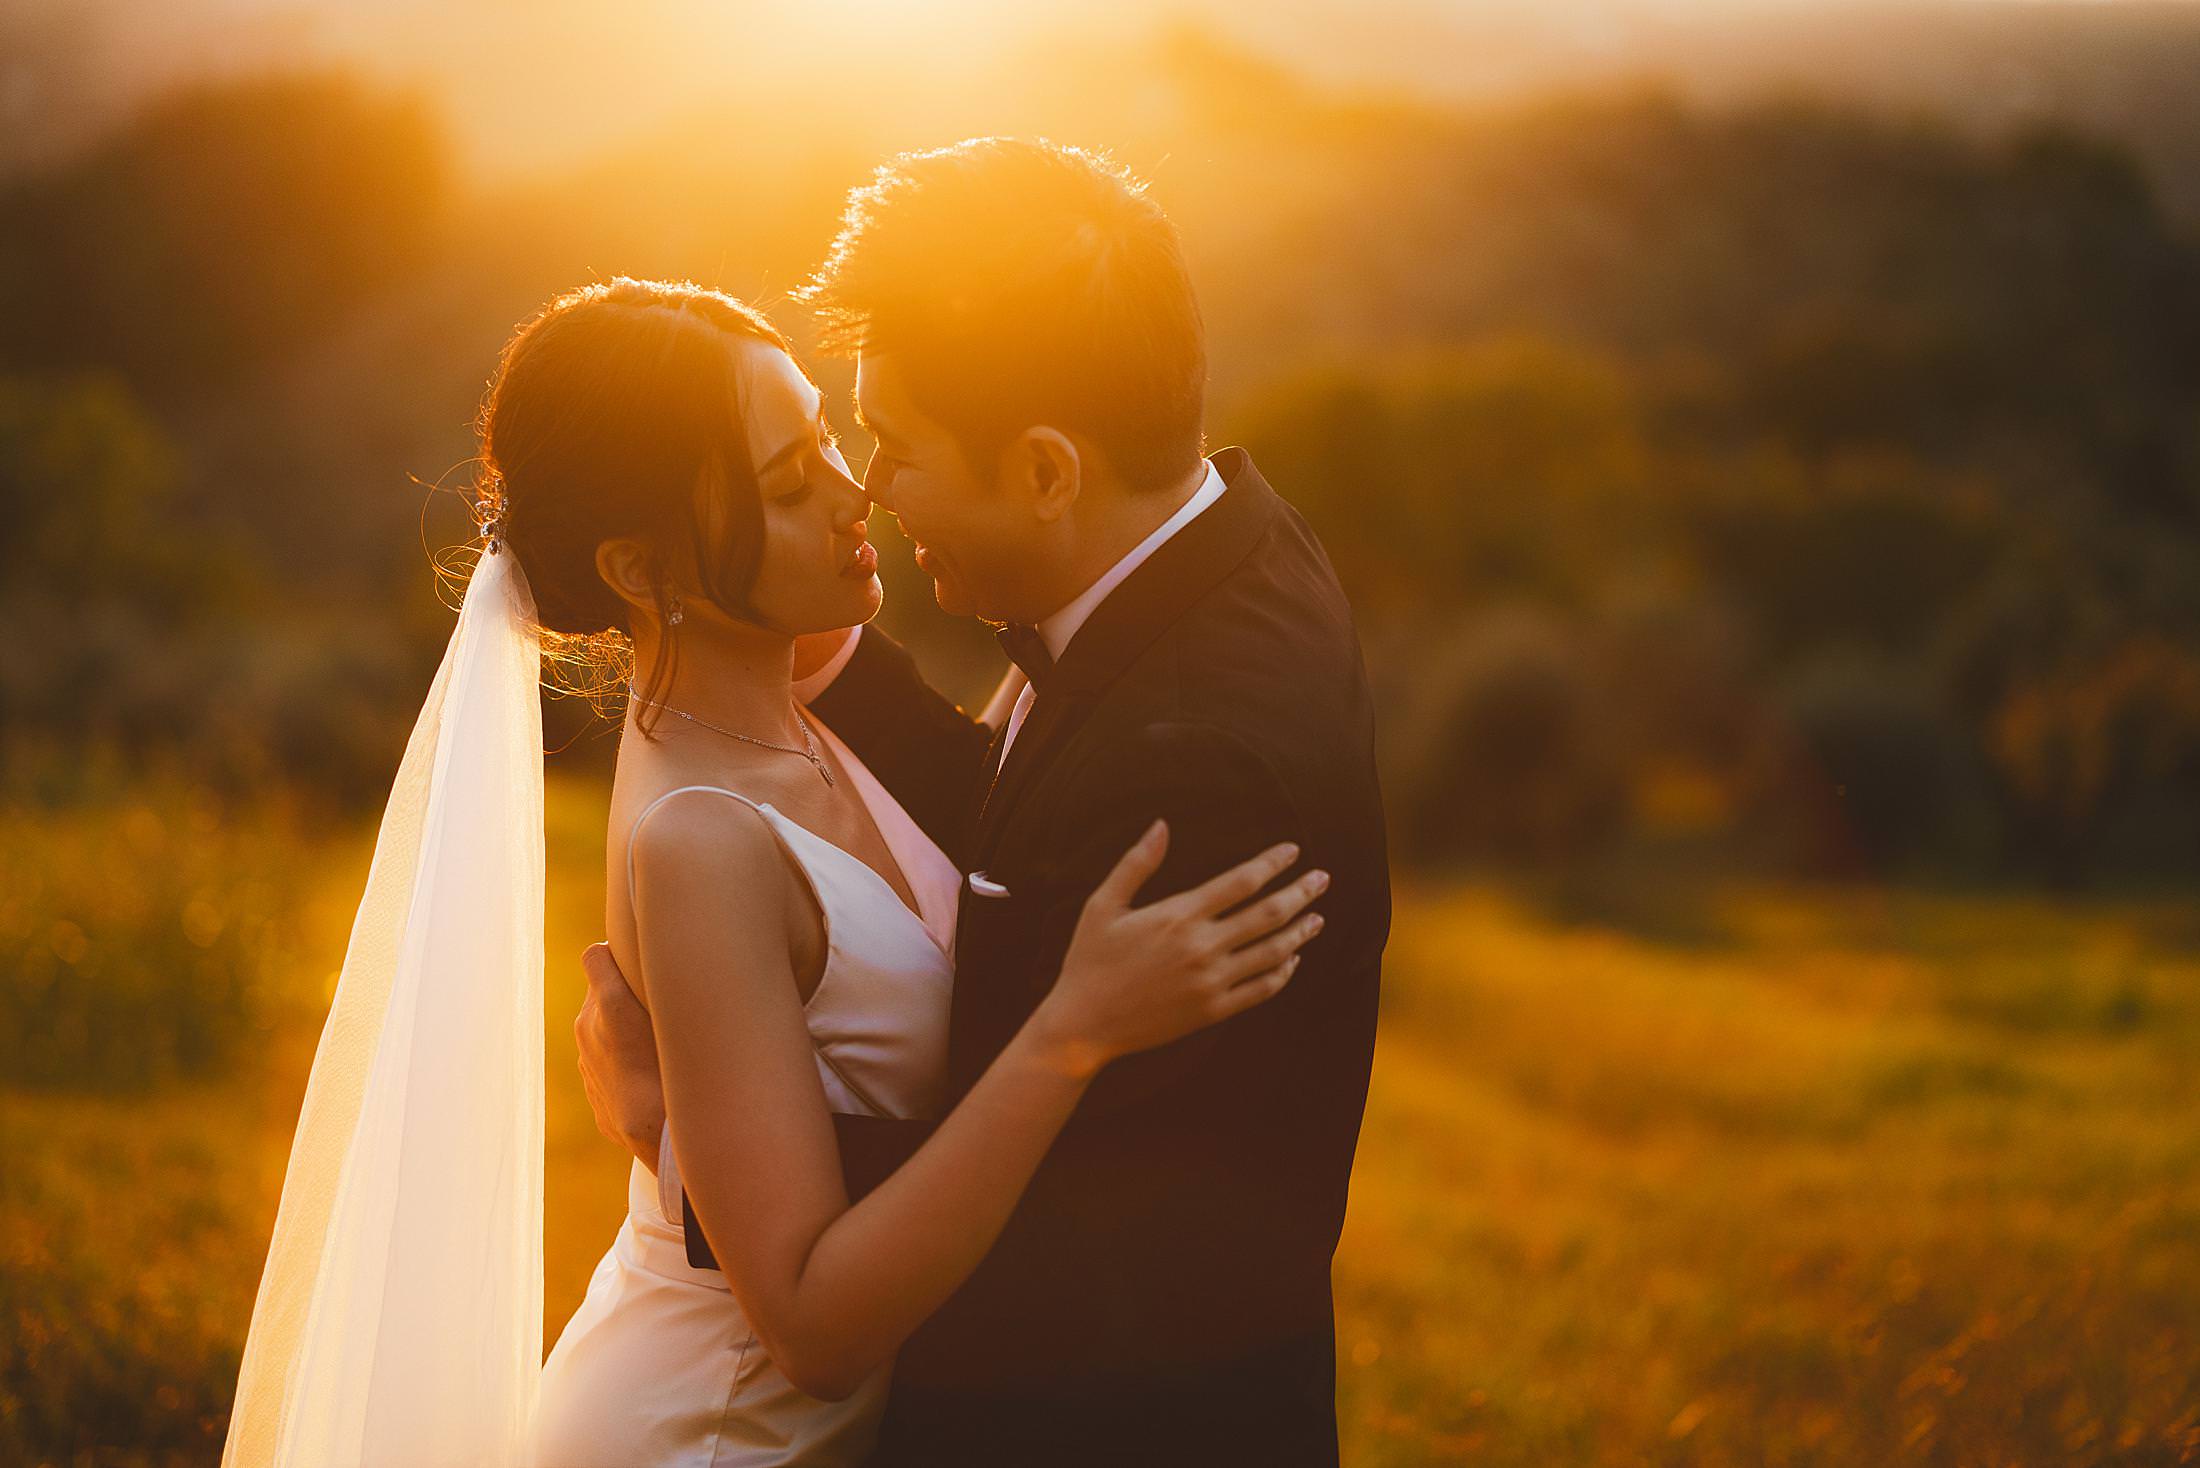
826, 452
790, 485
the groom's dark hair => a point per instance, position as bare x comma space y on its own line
1019, 283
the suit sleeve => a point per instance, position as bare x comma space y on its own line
1224, 804
924, 749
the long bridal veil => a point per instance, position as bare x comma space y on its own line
399, 1320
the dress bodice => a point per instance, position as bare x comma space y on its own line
878, 1016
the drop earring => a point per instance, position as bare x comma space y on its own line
675, 614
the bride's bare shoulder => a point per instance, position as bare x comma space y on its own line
712, 895
702, 831
690, 857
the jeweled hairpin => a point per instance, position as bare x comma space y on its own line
489, 519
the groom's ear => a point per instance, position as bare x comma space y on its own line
1047, 465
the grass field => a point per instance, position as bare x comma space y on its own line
1781, 1177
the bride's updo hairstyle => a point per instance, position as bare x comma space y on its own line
617, 412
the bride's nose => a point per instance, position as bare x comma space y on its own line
857, 507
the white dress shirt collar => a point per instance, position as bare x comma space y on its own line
1057, 630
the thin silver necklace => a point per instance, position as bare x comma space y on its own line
809, 744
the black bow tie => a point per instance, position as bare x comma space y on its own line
1027, 650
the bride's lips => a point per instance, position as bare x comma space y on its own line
863, 563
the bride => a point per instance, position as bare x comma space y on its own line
659, 487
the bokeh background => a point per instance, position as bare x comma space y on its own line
1761, 439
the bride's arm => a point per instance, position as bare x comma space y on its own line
834, 1289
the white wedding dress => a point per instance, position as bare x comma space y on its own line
659, 1368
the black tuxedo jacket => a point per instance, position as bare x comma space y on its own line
1161, 1296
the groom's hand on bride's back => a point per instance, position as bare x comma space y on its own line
618, 1056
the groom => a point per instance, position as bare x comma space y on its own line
1031, 361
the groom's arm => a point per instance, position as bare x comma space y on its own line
923, 748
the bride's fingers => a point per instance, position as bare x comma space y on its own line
1219, 894
1274, 949
1273, 911
1258, 989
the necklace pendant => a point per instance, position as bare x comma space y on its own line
809, 744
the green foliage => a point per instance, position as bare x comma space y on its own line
84, 477
1508, 466
220, 228
140, 937
2103, 756
1851, 279
1878, 776
1510, 756
1859, 548
134, 630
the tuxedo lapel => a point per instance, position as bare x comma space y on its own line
981, 794
1148, 602
1052, 715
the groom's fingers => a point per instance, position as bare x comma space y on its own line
587, 1012
612, 1020
602, 972
608, 991
1136, 866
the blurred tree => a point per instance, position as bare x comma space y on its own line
2104, 756
223, 226
84, 476
132, 628
1508, 754
1503, 468
1868, 548
2023, 305
1874, 774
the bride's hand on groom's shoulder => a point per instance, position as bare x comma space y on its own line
618, 1059
1138, 977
